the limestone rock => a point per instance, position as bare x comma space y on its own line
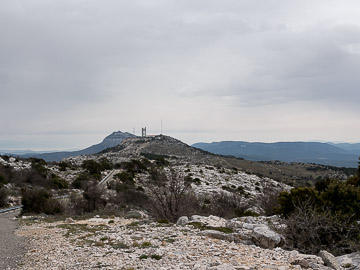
212, 221
69, 220
133, 214
218, 235
349, 261
222, 267
264, 237
329, 260
182, 221
305, 261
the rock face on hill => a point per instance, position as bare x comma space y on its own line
158, 145
112, 140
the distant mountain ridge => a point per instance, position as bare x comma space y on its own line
112, 140
341, 155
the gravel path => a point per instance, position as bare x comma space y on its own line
12, 247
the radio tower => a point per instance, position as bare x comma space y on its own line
143, 132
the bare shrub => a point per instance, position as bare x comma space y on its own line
77, 204
268, 199
170, 197
228, 205
94, 197
309, 230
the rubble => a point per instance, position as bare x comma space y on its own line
128, 244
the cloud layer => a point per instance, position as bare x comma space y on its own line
73, 71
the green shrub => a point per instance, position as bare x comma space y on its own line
38, 165
288, 200
80, 180
3, 180
59, 182
93, 167
3, 197
64, 165
326, 216
125, 177
342, 199
39, 201
309, 230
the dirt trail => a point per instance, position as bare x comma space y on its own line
12, 247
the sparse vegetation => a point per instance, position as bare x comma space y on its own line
39, 201
171, 199
326, 215
3, 197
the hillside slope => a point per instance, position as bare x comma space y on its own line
308, 152
112, 140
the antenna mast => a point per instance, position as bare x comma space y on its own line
161, 127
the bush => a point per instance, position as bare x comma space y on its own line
227, 205
125, 177
288, 200
39, 201
322, 218
64, 165
134, 166
268, 200
80, 181
93, 195
3, 180
3, 197
38, 165
309, 231
171, 199
93, 167
342, 199
58, 182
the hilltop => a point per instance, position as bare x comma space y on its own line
294, 173
112, 140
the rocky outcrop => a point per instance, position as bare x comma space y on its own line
220, 235
349, 261
264, 237
134, 214
182, 221
258, 231
307, 261
329, 260
211, 221
125, 244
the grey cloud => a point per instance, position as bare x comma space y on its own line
77, 60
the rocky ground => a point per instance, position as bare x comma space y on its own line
119, 243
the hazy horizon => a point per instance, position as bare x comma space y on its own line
72, 72
93, 143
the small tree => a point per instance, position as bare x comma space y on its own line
39, 201
3, 197
93, 196
310, 230
171, 199
289, 200
268, 199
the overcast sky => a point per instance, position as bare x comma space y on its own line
73, 71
